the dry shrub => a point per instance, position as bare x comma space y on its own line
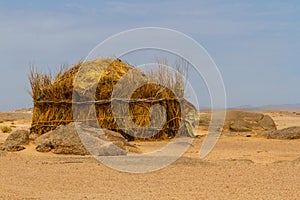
6, 129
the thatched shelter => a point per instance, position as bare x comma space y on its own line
53, 100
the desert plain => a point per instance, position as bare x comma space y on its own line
239, 167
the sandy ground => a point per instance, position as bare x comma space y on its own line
237, 168
285, 119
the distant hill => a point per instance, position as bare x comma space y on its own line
281, 107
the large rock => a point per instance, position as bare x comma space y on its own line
285, 134
63, 140
16, 140
240, 121
66, 140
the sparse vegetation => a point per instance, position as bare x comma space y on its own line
6, 129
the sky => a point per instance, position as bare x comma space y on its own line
255, 44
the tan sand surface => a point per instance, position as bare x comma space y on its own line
285, 119
237, 168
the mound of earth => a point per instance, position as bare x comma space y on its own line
16, 140
285, 134
240, 121
83, 140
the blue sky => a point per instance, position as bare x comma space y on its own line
255, 44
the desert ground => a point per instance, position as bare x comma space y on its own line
239, 167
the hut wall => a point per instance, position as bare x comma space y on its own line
48, 115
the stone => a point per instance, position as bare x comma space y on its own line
62, 140
44, 147
240, 121
285, 134
14, 148
16, 140
82, 140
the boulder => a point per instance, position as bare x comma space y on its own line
82, 140
240, 121
62, 140
16, 140
285, 134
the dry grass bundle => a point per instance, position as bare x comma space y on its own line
53, 99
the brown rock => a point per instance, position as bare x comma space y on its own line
44, 147
240, 121
285, 134
14, 148
66, 140
15, 140
62, 140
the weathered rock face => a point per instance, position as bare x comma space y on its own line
285, 134
63, 140
240, 121
16, 140
66, 140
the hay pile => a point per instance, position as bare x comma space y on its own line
53, 99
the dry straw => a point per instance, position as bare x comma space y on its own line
53, 97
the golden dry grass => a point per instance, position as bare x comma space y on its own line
53, 98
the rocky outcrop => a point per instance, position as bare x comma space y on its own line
83, 140
284, 134
240, 121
